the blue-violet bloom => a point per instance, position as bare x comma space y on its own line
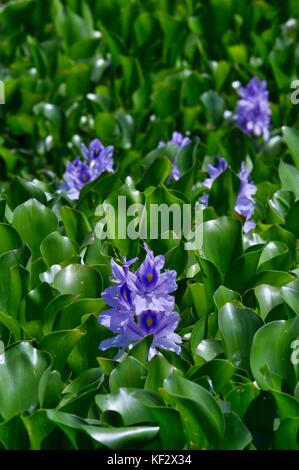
141, 305
253, 114
97, 159
245, 203
180, 141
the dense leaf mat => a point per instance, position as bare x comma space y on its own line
130, 73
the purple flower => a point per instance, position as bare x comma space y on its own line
245, 203
180, 141
177, 139
97, 159
214, 172
141, 305
253, 111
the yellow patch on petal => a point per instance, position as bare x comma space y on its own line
150, 277
149, 321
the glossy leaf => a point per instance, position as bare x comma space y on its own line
270, 355
202, 418
34, 222
238, 326
79, 280
20, 373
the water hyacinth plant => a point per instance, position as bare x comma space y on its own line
245, 203
180, 142
192, 340
141, 306
96, 160
253, 113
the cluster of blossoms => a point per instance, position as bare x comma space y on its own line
96, 160
180, 141
253, 112
141, 306
245, 202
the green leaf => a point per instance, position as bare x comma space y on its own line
291, 220
13, 434
202, 418
38, 428
202, 292
14, 279
52, 310
84, 49
106, 127
20, 373
277, 233
60, 344
291, 138
223, 295
128, 373
56, 248
209, 349
90, 378
224, 192
156, 173
237, 436
268, 298
34, 222
214, 106
9, 238
143, 26
124, 402
122, 438
158, 369
289, 176
79, 280
165, 99
50, 388
106, 364
70, 424
11, 324
270, 357
238, 326
84, 354
171, 430
286, 437
276, 278
31, 307
275, 256
75, 223
38, 56
140, 350
117, 226
235, 145
177, 258
222, 242
219, 371
69, 25
9, 156
21, 190
288, 406
243, 269
73, 314
241, 396
290, 294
